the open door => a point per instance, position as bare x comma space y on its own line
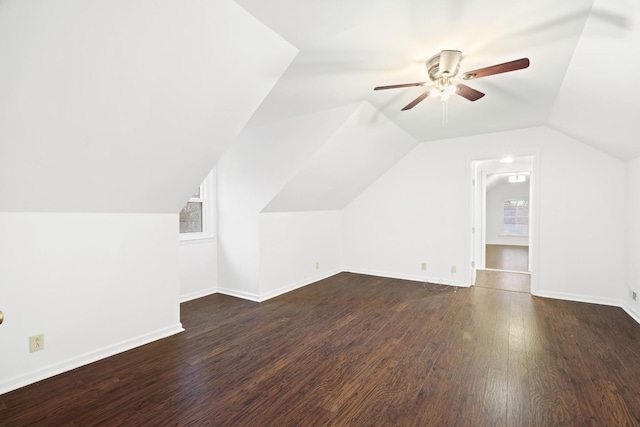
501, 209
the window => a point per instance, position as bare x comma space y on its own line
516, 217
196, 218
191, 216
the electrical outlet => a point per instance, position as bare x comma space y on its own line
317, 265
36, 343
423, 266
634, 296
454, 269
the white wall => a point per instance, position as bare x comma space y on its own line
112, 107
93, 284
420, 212
581, 256
632, 234
311, 163
298, 248
198, 268
414, 213
496, 196
199, 253
250, 174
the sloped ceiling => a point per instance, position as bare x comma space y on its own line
359, 152
124, 106
345, 53
347, 50
599, 100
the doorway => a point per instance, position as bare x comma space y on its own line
502, 226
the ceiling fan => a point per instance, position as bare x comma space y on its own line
443, 77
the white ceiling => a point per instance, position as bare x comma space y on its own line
347, 163
598, 102
348, 48
345, 51
124, 105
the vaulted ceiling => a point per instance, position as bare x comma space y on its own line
578, 81
125, 105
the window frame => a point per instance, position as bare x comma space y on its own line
528, 216
206, 198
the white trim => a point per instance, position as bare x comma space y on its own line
186, 237
288, 288
413, 278
528, 273
476, 196
578, 298
631, 311
300, 284
239, 294
201, 240
19, 381
198, 294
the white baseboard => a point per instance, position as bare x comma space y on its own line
272, 294
631, 311
297, 285
578, 298
239, 294
198, 294
22, 380
415, 278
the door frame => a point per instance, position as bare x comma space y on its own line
478, 173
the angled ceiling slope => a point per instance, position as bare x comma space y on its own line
363, 148
599, 101
120, 106
265, 158
377, 42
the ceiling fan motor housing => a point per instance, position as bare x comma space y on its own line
445, 64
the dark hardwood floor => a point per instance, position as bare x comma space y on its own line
361, 351
507, 269
503, 280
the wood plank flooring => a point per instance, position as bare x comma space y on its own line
507, 257
506, 266
356, 350
503, 280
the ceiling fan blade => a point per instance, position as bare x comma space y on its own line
449, 62
416, 101
469, 93
518, 64
399, 86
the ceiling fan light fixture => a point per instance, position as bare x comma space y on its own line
449, 62
443, 77
513, 179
